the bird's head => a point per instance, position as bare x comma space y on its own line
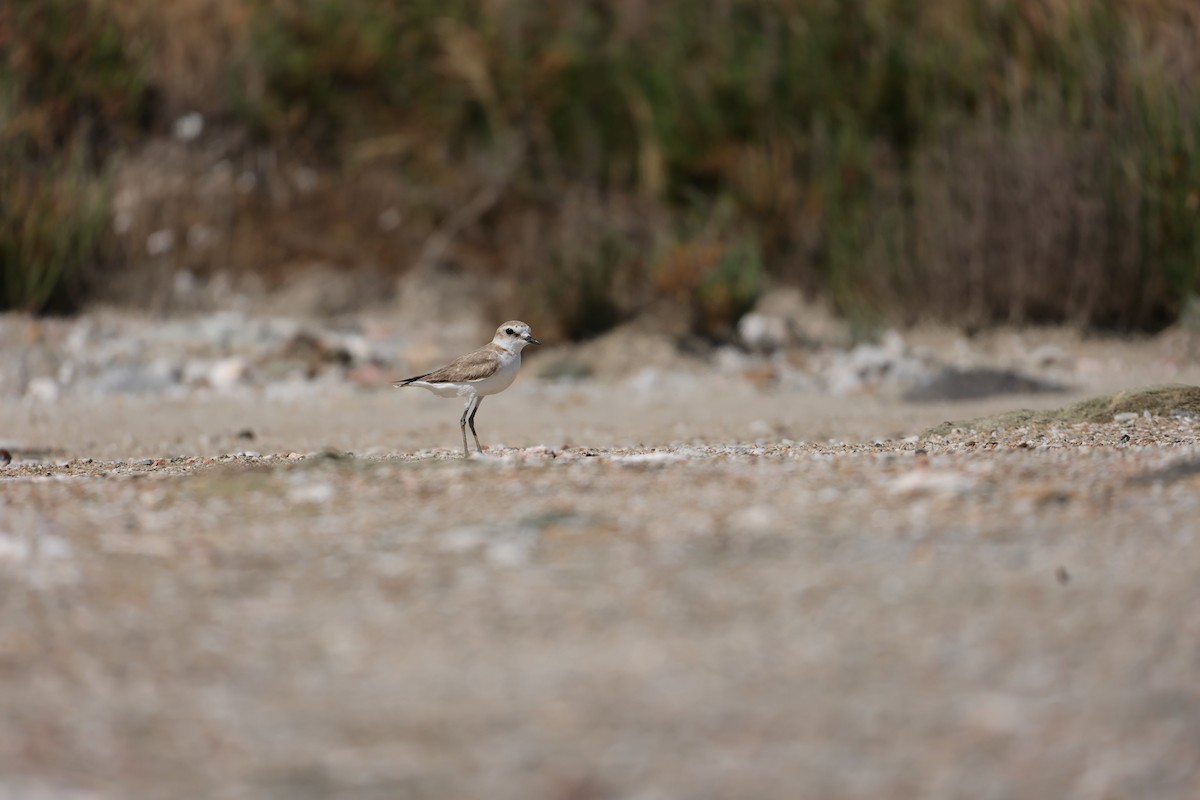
513, 335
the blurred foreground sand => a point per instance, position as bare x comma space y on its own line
683, 591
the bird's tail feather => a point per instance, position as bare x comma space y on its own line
407, 381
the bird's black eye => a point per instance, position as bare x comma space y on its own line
509, 331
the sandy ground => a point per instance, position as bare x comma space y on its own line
699, 590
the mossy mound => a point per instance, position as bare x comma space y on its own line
1158, 400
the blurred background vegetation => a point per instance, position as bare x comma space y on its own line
969, 161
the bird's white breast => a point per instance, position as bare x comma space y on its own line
510, 363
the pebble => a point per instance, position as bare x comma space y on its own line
931, 482
655, 458
314, 493
21, 547
754, 519
42, 390
188, 127
764, 332
869, 366
156, 377
227, 373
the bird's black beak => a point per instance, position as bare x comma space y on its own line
531, 340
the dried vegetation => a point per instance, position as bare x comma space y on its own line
973, 162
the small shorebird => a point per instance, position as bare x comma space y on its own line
488, 370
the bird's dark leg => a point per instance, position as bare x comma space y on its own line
471, 419
462, 423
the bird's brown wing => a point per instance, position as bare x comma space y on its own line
474, 366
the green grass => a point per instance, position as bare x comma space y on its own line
72, 89
52, 227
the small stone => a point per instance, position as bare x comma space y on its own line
645, 380
160, 242
188, 127
731, 359
389, 219
14, 548
314, 493
1049, 355
153, 378
511, 548
44, 390
228, 372
754, 519
763, 332
931, 482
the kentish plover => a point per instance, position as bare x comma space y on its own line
488, 370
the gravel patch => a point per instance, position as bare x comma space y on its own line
1008, 613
